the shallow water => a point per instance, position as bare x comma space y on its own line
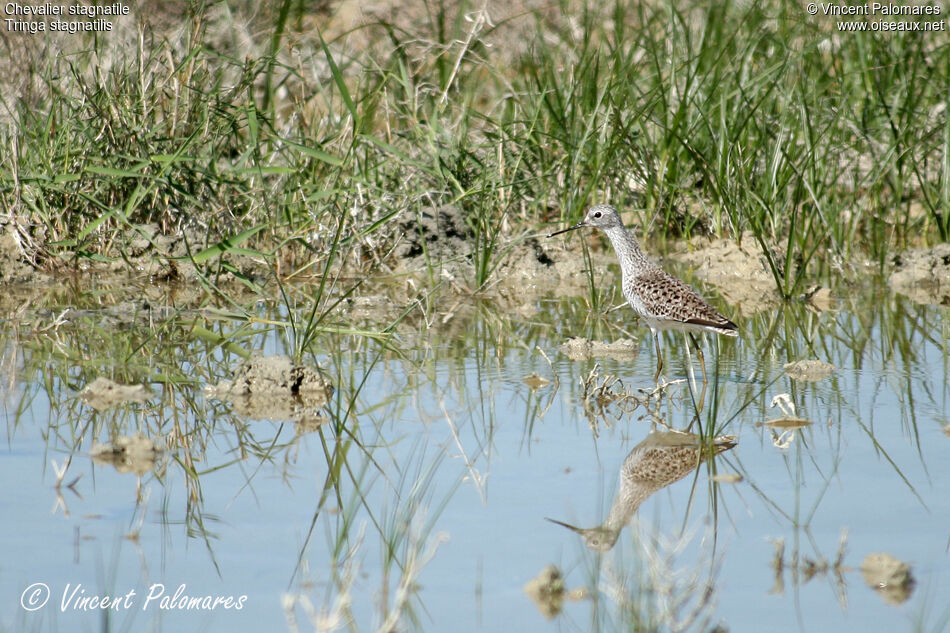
439, 464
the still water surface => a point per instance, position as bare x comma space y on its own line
427, 492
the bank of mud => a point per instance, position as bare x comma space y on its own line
433, 255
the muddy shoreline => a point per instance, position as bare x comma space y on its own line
438, 252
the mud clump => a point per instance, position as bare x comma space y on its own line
275, 375
103, 393
535, 381
543, 265
809, 370
434, 237
373, 308
923, 274
14, 267
548, 591
889, 576
275, 388
442, 241
583, 348
128, 454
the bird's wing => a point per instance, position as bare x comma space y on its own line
667, 297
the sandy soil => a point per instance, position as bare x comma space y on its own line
738, 271
923, 274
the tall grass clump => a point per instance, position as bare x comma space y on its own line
252, 137
734, 118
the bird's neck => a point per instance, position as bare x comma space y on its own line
628, 499
631, 256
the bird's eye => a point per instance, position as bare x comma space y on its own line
597, 214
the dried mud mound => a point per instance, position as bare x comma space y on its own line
275, 388
738, 271
441, 241
14, 265
431, 235
142, 250
549, 592
891, 577
923, 274
809, 370
128, 454
541, 264
103, 393
583, 349
164, 255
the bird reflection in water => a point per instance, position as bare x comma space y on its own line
661, 459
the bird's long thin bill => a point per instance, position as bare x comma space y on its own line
570, 228
567, 525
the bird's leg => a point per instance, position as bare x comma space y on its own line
699, 352
659, 358
702, 365
691, 382
690, 374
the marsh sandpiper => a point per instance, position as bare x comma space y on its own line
663, 301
